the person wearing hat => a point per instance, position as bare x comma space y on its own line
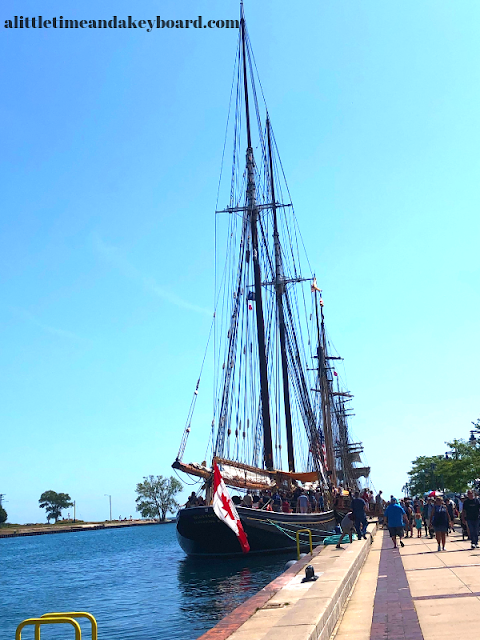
396, 518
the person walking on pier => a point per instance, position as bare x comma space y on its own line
396, 518
449, 504
359, 508
418, 522
347, 525
441, 522
427, 515
409, 524
470, 513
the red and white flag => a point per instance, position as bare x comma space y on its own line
225, 509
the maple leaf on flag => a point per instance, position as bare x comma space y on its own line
225, 509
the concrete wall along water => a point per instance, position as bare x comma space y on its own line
288, 609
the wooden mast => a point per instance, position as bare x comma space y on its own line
325, 393
252, 213
280, 290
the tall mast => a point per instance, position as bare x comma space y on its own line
252, 212
280, 290
325, 392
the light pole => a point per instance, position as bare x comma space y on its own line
110, 499
433, 466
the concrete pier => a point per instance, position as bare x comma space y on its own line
367, 591
292, 610
39, 530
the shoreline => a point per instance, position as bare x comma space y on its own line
40, 530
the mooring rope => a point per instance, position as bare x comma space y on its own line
285, 532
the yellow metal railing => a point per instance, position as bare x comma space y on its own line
66, 617
77, 614
298, 540
37, 622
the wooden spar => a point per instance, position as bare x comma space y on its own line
279, 290
307, 476
272, 478
192, 469
253, 216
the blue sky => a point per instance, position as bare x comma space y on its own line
111, 151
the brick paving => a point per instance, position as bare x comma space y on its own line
394, 615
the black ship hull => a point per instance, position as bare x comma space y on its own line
201, 533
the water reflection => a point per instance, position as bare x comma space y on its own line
213, 588
136, 582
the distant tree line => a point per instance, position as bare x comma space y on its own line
457, 470
156, 498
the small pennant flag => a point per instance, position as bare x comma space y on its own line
225, 509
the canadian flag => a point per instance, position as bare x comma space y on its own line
225, 509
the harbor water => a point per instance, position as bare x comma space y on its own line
136, 581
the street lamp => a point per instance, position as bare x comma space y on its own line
107, 495
433, 466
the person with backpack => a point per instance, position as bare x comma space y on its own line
441, 522
470, 514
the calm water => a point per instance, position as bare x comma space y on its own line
136, 581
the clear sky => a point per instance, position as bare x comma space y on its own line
111, 150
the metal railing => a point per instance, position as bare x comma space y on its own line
37, 622
66, 617
298, 540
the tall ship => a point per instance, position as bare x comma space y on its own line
279, 424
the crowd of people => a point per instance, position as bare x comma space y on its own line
300, 500
434, 514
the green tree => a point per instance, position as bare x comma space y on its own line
455, 473
3, 515
424, 474
156, 496
53, 503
